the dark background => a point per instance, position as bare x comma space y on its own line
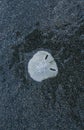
27, 26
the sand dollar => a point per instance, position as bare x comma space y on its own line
42, 66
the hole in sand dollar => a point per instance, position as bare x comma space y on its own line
46, 57
52, 69
42, 66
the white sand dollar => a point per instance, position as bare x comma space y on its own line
42, 66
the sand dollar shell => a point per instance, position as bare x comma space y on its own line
42, 66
